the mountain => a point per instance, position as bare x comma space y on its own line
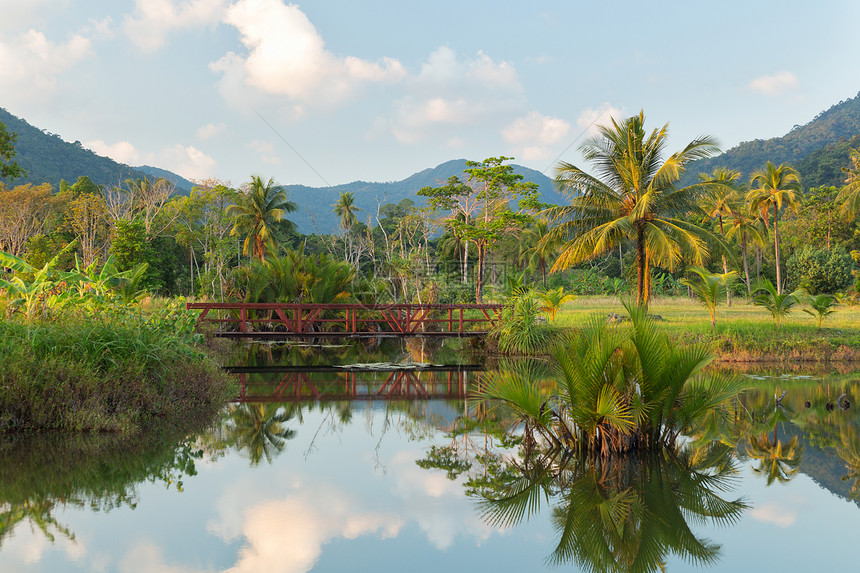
315, 203
48, 158
838, 124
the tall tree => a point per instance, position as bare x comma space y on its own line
849, 195
633, 197
745, 224
345, 208
777, 188
485, 199
718, 202
257, 211
23, 215
8, 168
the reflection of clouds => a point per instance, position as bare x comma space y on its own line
147, 558
28, 544
286, 531
774, 513
436, 503
287, 535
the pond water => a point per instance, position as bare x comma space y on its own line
370, 475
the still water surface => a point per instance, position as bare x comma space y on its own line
334, 486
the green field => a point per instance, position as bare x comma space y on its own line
744, 332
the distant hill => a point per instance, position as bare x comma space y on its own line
315, 203
48, 158
839, 123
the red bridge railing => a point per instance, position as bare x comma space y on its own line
346, 320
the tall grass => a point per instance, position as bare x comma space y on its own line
115, 373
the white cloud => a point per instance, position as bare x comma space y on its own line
188, 162
452, 93
590, 120
266, 151
287, 535
18, 15
121, 152
533, 134
775, 514
155, 19
287, 57
775, 84
30, 64
211, 130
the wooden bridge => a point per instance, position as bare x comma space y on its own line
333, 383
276, 320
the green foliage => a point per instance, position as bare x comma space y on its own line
8, 168
553, 299
521, 330
778, 304
821, 306
819, 270
293, 277
617, 390
635, 200
710, 288
104, 372
257, 212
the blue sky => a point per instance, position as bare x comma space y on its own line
331, 92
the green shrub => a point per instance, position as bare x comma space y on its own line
819, 270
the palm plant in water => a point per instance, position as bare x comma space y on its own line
618, 390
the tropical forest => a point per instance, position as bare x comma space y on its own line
646, 360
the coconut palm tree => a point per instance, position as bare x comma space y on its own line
748, 228
849, 195
256, 212
536, 253
778, 187
719, 202
710, 288
345, 208
633, 197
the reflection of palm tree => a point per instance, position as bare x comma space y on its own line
38, 513
778, 460
849, 451
259, 428
624, 513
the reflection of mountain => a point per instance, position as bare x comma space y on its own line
822, 465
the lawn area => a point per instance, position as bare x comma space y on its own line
744, 332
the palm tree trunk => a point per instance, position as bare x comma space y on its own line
641, 268
776, 249
725, 267
746, 264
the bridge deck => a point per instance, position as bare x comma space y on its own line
276, 320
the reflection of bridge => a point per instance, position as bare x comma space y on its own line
276, 320
332, 383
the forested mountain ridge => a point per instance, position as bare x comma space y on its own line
316, 203
48, 158
838, 124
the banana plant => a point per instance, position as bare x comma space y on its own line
47, 281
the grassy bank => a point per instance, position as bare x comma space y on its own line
744, 332
115, 373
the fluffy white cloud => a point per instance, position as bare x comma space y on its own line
450, 92
775, 84
287, 535
266, 151
121, 151
30, 64
774, 513
153, 20
188, 162
287, 57
19, 15
591, 119
533, 135
211, 130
